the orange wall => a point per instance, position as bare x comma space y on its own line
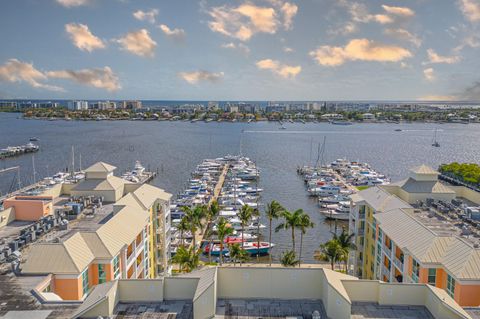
423, 275
69, 289
467, 295
29, 210
441, 281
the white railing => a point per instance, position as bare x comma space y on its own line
386, 271
387, 250
398, 263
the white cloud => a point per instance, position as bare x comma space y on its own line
470, 9
102, 78
399, 11
284, 70
82, 38
149, 16
73, 3
239, 47
438, 98
404, 35
17, 71
138, 42
289, 11
201, 76
172, 33
434, 57
288, 50
429, 74
359, 49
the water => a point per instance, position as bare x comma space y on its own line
175, 148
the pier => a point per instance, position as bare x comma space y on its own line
12, 151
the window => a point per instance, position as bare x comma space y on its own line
116, 267
432, 274
415, 270
85, 282
102, 276
450, 286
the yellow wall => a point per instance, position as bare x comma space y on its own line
180, 288
152, 245
368, 256
467, 193
141, 290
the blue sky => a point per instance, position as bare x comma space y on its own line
241, 50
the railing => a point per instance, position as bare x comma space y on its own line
361, 216
361, 232
387, 250
414, 277
385, 271
398, 263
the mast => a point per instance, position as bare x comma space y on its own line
73, 161
34, 172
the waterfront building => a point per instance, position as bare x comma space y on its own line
103, 105
125, 234
131, 105
412, 232
77, 105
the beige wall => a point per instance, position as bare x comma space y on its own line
180, 288
109, 196
7, 216
275, 283
205, 304
412, 198
54, 191
336, 305
361, 290
401, 294
467, 193
141, 290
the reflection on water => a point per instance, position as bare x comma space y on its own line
175, 148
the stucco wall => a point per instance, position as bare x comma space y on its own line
180, 288
274, 283
467, 193
141, 290
204, 305
7, 216
361, 290
401, 294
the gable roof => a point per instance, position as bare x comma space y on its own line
411, 185
379, 199
148, 194
110, 183
424, 169
100, 167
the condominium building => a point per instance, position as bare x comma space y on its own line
77, 105
125, 236
415, 231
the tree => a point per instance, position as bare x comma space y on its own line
245, 215
183, 226
237, 254
211, 213
288, 259
292, 221
330, 251
273, 211
223, 230
345, 242
305, 223
187, 259
194, 217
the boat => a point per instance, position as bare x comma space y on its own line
341, 122
398, 130
435, 142
33, 139
251, 248
338, 212
324, 191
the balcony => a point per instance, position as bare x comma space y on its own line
387, 251
361, 216
414, 277
385, 271
398, 263
361, 232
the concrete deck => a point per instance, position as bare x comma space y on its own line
266, 308
375, 311
166, 310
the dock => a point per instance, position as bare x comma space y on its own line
12, 151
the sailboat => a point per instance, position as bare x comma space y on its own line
435, 142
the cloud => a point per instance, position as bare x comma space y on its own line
138, 42
82, 38
102, 78
399, 11
437, 98
470, 9
201, 76
73, 3
404, 35
433, 57
289, 11
17, 71
149, 16
244, 21
285, 71
177, 34
288, 50
429, 74
359, 49
239, 47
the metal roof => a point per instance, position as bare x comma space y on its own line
107, 184
411, 185
423, 169
100, 167
148, 194
380, 200
97, 295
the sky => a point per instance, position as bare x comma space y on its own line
240, 49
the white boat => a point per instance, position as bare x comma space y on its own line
324, 191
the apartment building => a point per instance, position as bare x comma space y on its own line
127, 237
409, 232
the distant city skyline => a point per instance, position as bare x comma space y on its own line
242, 50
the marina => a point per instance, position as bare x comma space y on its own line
12, 151
333, 185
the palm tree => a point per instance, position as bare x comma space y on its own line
183, 226
345, 241
223, 230
273, 211
245, 215
330, 251
237, 253
187, 259
292, 221
211, 213
194, 218
305, 223
288, 259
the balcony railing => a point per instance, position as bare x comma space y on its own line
386, 272
414, 277
387, 250
361, 232
361, 216
398, 263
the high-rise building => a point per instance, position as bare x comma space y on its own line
77, 105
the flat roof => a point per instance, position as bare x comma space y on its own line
179, 309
